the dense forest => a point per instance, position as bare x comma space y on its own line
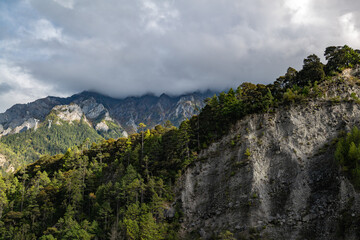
124, 188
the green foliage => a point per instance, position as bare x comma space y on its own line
247, 153
290, 96
32, 144
355, 98
3, 197
313, 71
341, 57
288, 80
347, 154
226, 235
114, 130
102, 191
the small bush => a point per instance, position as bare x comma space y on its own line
247, 153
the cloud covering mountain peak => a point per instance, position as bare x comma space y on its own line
123, 48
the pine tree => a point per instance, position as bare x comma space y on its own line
142, 127
3, 197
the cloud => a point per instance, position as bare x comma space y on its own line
19, 86
349, 30
44, 30
66, 3
123, 48
5, 88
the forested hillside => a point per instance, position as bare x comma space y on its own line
126, 188
32, 144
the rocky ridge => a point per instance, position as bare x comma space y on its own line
126, 113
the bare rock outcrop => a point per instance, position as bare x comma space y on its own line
274, 176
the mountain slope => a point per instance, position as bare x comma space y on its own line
51, 140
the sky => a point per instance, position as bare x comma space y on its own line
123, 48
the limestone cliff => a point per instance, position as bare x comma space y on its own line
274, 176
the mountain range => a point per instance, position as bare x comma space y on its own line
51, 125
127, 113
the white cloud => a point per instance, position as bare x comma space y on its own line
66, 3
20, 85
44, 30
122, 47
40, 29
349, 30
302, 12
158, 17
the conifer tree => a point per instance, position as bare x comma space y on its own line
3, 197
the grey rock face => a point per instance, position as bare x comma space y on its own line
289, 188
92, 109
69, 113
102, 127
153, 110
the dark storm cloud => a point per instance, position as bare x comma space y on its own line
121, 47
